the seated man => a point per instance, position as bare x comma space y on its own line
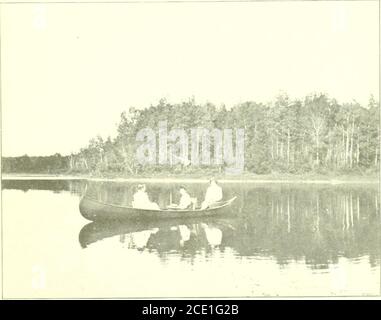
141, 200
185, 200
213, 194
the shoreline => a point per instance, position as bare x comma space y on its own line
232, 179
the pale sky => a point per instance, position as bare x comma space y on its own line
69, 70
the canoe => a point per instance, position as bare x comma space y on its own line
94, 210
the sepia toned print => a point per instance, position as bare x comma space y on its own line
189, 149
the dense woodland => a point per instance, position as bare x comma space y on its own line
314, 135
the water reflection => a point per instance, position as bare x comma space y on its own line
315, 224
72, 186
189, 235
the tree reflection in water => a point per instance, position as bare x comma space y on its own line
317, 224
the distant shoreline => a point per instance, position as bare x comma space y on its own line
225, 179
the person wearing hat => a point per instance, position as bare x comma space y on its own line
213, 194
142, 201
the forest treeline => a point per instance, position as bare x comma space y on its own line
313, 135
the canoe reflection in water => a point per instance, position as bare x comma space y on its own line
160, 235
316, 225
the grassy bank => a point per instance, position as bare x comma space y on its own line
244, 177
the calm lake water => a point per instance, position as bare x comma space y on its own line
277, 239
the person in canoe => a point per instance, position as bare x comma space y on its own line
185, 200
142, 201
213, 194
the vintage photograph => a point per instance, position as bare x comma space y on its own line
190, 149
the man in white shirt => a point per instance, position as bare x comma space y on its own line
213, 194
142, 201
185, 200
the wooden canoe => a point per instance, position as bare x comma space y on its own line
94, 210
